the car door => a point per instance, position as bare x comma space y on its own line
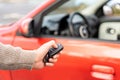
81, 59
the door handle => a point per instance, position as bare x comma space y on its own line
103, 72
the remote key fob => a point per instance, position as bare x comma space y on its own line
52, 52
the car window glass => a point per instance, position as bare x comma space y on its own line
74, 5
52, 21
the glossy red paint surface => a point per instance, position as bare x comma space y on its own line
5, 75
80, 60
77, 60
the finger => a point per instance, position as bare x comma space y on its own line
47, 46
49, 64
52, 60
56, 56
52, 43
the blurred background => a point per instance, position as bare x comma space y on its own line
13, 0
12, 10
20, 1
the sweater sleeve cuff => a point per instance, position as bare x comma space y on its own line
27, 58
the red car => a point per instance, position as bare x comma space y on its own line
90, 39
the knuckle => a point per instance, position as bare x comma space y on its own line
52, 41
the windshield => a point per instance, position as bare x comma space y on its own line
13, 10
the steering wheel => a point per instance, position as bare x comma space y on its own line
78, 25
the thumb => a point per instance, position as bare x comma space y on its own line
43, 50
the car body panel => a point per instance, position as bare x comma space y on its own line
76, 60
5, 75
81, 59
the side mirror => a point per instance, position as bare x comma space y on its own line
25, 27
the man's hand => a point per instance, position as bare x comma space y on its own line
41, 52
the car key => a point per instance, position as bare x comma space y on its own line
52, 52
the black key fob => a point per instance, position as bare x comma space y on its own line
52, 52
